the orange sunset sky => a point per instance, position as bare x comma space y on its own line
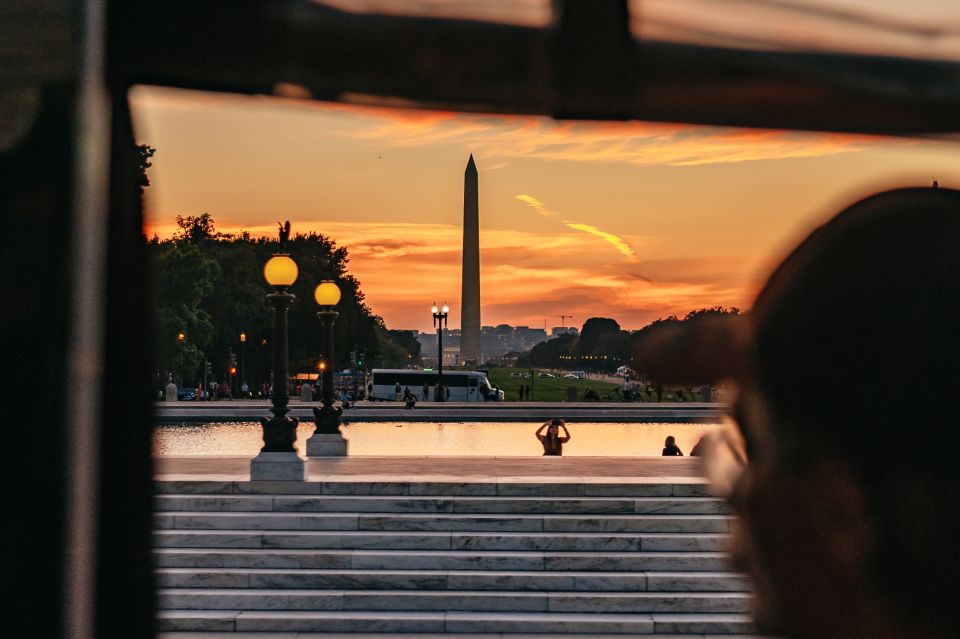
633, 221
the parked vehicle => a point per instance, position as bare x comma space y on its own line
186, 394
465, 386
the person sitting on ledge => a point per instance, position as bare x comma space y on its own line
670, 448
847, 530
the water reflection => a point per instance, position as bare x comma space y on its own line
467, 438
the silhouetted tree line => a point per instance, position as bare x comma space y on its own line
210, 288
602, 346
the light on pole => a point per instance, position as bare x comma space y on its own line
440, 322
327, 295
280, 431
243, 358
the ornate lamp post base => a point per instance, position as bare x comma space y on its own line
278, 459
277, 467
326, 445
327, 441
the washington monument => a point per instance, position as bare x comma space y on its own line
470, 293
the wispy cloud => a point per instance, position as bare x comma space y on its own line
535, 204
502, 138
617, 241
631, 143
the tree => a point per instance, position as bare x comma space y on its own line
408, 342
143, 154
713, 311
195, 229
548, 353
231, 297
185, 276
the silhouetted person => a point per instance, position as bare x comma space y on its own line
670, 448
425, 395
848, 530
396, 391
699, 448
553, 442
659, 389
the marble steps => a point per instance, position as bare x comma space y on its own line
443, 600
546, 580
451, 622
360, 555
358, 520
531, 487
439, 504
427, 635
439, 560
406, 540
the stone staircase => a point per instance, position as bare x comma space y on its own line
446, 557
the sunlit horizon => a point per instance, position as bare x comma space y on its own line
633, 221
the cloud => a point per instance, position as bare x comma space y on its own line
535, 204
498, 137
617, 242
501, 138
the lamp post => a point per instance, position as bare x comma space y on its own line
440, 322
327, 440
243, 358
280, 431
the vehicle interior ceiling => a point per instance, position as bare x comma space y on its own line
315, 49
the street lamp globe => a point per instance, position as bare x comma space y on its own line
280, 271
327, 293
434, 309
446, 309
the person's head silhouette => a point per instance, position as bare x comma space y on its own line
849, 358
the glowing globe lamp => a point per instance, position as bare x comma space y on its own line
280, 271
327, 293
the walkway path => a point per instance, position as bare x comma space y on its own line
570, 469
252, 410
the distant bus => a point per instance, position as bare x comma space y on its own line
465, 386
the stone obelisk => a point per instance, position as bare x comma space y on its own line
470, 294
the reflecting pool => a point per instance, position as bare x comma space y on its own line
450, 438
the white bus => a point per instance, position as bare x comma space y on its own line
465, 386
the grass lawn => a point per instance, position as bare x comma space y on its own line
546, 389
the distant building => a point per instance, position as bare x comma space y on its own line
495, 342
557, 331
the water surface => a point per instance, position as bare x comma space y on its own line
424, 438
